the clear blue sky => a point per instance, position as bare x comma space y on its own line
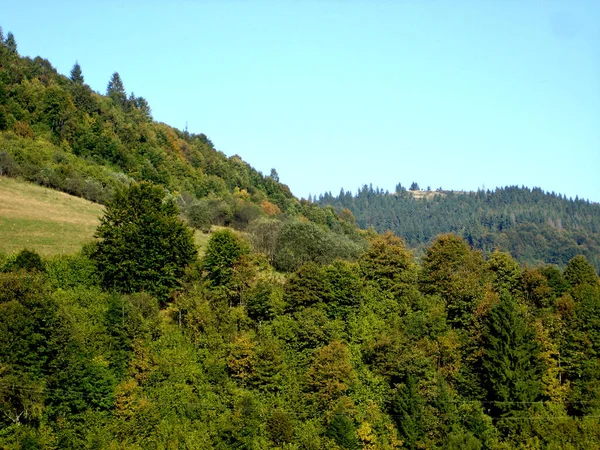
449, 93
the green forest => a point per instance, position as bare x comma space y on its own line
292, 329
534, 226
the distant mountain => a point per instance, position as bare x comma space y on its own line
533, 225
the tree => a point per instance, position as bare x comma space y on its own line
144, 245
389, 264
116, 89
330, 375
407, 411
199, 215
225, 249
511, 364
343, 432
453, 271
580, 271
76, 74
414, 186
11, 43
280, 427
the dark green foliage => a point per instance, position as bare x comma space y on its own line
116, 90
11, 43
306, 287
407, 410
511, 364
258, 302
77, 74
143, 245
26, 260
342, 431
28, 320
533, 225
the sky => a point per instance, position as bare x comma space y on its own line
457, 94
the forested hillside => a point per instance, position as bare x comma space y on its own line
57, 132
128, 345
293, 330
533, 225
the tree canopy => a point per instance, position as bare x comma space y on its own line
144, 245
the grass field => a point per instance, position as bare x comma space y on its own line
40, 219
48, 221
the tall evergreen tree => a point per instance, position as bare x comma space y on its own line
406, 408
11, 43
116, 89
144, 244
511, 364
76, 74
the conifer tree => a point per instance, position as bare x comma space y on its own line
116, 89
511, 364
11, 43
144, 245
76, 74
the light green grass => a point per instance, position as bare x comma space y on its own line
44, 220
50, 222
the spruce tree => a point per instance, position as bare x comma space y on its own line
511, 365
116, 89
11, 43
76, 74
144, 244
406, 410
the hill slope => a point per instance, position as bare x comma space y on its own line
44, 220
532, 225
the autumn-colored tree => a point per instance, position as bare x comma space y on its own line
330, 375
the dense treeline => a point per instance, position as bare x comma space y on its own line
533, 225
371, 350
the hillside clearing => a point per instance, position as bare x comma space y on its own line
44, 220
48, 221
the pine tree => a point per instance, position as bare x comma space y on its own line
116, 89
343, 432
511, 364
11, 43
76, 74
407, 411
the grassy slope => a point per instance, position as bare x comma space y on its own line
44, 220
48, 221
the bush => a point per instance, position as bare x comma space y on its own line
26, 260
199, 215
304, 242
